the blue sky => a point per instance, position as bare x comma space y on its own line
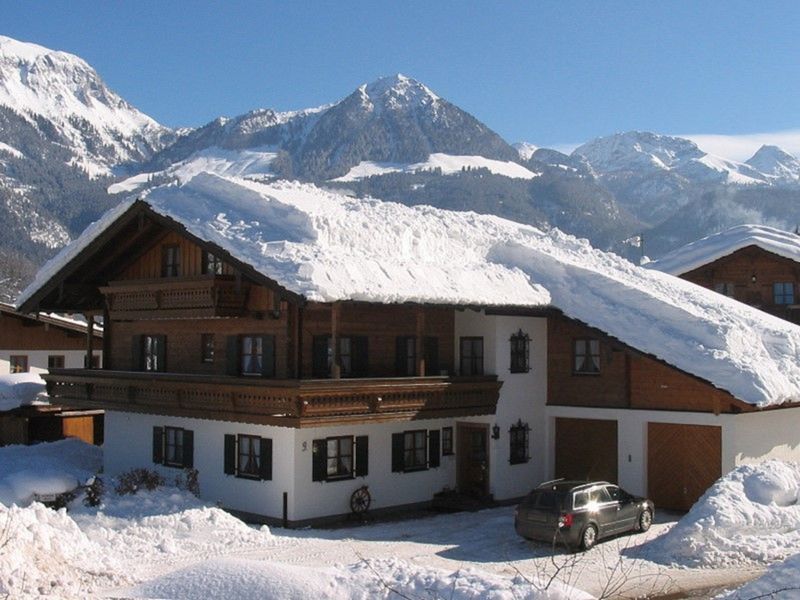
547, 72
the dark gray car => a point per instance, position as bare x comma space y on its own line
577, 514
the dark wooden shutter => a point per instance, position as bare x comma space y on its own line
398, 452
230, 454
266, 459
158, 445
433, 449
268, 356
319, 452
188, 449
136, 353
360, 357
400, 356
432, 356
362, 455
161, 352
319, 365
232, 355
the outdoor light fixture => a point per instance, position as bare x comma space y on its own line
753, 277
495, 431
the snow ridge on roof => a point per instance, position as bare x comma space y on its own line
710, 248
328, 247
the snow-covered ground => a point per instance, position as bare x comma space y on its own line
168, 544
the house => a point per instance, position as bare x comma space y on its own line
30, 345
294, 345
754, 264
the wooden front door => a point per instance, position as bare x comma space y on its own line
682, 462
586, 449
472, 459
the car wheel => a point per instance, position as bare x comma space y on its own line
589, 537
645, 520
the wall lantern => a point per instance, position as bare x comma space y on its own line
495, 431
753, 277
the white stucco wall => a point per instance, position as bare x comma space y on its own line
755, 437
37, 359
523, 396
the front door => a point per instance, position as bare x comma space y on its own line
472, 459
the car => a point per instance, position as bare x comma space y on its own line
577, 514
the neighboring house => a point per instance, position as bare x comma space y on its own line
754, 264
29, 346
293, 345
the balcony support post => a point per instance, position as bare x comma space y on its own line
336, 368
89, 339
420, 341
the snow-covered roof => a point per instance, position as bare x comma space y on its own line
710, 248
67, 322
328, 247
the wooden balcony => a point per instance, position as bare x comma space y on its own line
288, 403
217, 296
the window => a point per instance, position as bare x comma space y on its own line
211, 265
520, 352
587, 356
207, 347
95, 363
170, 261
173, 447
154, 353
518, 442
353, 357
252, 355
248, 456
416, 450
55, 361
18, 363
406, 356
783, 293
431, 353
447, 441
471, 356
341, 457
725, 288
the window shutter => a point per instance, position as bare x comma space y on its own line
433, 449
158, 445
398, 452
320, 356
266, 459
432, 356
362, 455
188, 449
319, 451
268, 357
400, 356
136, 353
161, 352
232, 355
360, 356
230, 454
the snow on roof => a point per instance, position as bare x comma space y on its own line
328, 247
710, 248
21, 389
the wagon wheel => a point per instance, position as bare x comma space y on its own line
360, 500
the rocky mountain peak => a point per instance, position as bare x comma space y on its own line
776, 163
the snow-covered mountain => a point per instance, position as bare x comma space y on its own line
525, 149
776, 164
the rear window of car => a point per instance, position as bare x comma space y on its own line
545, 500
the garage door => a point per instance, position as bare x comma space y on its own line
586, 449
682, 462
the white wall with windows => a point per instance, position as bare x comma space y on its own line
38, 360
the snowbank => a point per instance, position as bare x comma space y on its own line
710, 248
21, 389
240, 578
328, 247
45, 469
749, 516
780, 581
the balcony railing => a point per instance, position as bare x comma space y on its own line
207, 296
290, 403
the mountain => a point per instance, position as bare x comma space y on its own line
525, 149
776, 164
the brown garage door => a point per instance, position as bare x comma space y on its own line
682, 462
586, 449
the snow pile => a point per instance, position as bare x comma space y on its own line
328, 247
749, 516
21, 389
45, 469
710, 248
780, 581
240, 578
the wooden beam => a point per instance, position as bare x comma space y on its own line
89, 339
336, 367
420, 339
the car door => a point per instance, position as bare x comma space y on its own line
627, 512
605, 510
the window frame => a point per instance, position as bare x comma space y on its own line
447, 441
406, 359
339, 472
207, 350
253, 454
349, 365
519, 443
415, 451
212, 264
170, 260
520, 352
471, 364
150, 352
246, 358
726, 288
59, 358
589, 356
780, 298
18, 363
177, 443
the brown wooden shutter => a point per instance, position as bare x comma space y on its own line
188, 449
266, 459
432, 356
433, 449
268, 356
136, 353
158, 445
232, 355
319, 364
362, 455
230, 454
161, 352
398, 452
400, 356
319, 452
360, 357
